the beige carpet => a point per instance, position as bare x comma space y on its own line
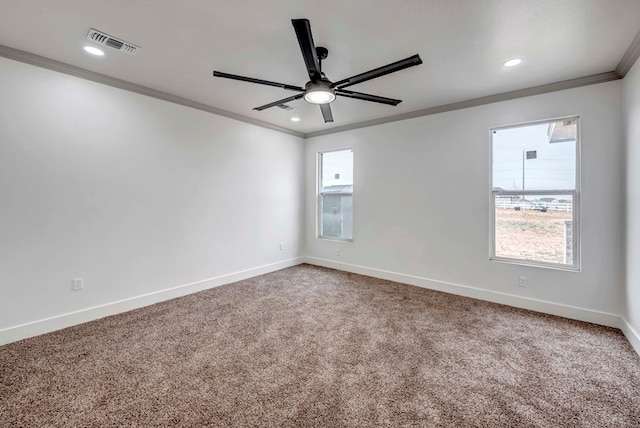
309, 346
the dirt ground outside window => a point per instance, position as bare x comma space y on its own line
531, 235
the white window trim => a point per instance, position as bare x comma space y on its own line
319, 194
577, 253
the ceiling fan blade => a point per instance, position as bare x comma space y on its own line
380, 71
277, 103
367, 97
326, 112
259, 81
305, 39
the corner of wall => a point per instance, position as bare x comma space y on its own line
631, 334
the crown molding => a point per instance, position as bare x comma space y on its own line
629, 58
625, 64
504, 96
72, 70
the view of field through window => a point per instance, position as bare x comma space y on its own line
534, 175
534, 235
336, 194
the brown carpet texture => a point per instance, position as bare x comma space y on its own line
315, 347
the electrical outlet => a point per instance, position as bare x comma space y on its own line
337, 251
523, 282
281, 246
78, 284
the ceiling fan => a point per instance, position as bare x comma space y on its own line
319, 89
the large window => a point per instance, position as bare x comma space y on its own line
535, 193
335, 195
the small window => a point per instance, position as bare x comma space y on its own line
335, 195
535, 193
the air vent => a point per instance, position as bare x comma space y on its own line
113, 42
284, 107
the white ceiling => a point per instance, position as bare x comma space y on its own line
463, 44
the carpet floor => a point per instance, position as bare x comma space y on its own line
315, 347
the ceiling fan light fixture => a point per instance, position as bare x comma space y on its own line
319, 97
319, 93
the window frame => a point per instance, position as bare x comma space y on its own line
576, 241
320, 194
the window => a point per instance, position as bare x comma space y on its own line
335, 195
535, 193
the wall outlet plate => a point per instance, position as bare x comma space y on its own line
78, 284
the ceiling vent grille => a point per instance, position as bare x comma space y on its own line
113, 42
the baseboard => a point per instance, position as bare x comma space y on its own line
631, 334
566, 311
24, 331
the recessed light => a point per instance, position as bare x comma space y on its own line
512, 62
93, 50
295, 119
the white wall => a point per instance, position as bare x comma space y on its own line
139, 196
631, 90
421, 205
133, 194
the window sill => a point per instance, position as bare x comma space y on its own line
532, 263
331, 239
